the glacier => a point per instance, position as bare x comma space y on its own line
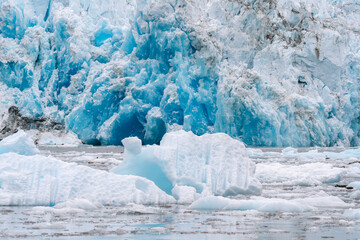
269, 72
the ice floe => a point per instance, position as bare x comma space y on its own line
212, 164
19, 143
355, 184
304, 174
352, 213
40, 180
267, 204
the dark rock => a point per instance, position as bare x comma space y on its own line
16, 121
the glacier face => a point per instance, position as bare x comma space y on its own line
273, 73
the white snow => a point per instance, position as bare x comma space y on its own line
132, 145
184, 194
355, 184
68, 207
304, 174
40, 180
352, 213
355, 195
267, 204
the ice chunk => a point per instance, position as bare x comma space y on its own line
132, 145
267, 204
19, 143
305, 174
49, 225
79, 204
352, 213
353, 170
184, 194
40, 180
66, 139
355, 195
354, 185
324, 200
68, 207
136, 209
211, 164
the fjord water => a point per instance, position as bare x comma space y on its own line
134, 221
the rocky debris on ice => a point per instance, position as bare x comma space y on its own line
55, 138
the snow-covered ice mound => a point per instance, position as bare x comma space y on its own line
211, 164
19, 143
355, 184
268, 204
352, 213
69, 207
305, 174
40, 180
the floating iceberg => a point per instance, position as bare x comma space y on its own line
214, 164
355, 185
40, 180
267, 204
352, 213
19, 143
185, 166
305, 174
69, 207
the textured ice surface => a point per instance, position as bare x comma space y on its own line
19, 143
275, 73
311, 155
40, 180
210, 164
305, 174
352, 213
53, 138
267, 204
354, 185
69, 207
176, 221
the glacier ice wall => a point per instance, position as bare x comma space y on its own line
273, 73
